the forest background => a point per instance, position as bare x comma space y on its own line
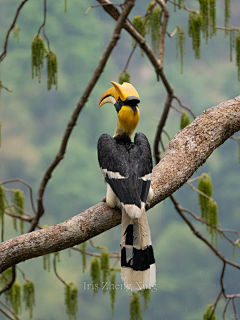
33, 120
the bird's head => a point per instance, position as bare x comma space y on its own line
125, 99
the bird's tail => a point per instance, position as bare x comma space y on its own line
137, 258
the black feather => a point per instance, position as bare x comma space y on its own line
141, 259
132, 160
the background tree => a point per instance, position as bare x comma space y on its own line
192, 280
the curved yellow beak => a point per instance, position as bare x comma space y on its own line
124, 91
109, 96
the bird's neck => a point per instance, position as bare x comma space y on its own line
120, 131
128, 118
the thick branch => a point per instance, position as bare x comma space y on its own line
188, 150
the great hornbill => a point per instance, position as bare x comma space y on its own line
127, 168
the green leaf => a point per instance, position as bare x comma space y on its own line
16, 30
227, 14
105, 267
147, 297
185, 120
16, 296
135, 307
52, 70
208, 313
84, 260
71, 300
95, 274
180, 44
195, 21
39, 52
112, 289
29, 296
18, 199
154, 25
124, 77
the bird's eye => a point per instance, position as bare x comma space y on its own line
132, 101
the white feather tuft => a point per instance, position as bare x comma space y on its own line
137, 280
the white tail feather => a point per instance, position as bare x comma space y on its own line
137, 280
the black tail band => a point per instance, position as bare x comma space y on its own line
141, 260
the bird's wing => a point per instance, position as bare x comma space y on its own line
126, 171
114, 162
141, 157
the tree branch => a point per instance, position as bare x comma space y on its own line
114, 13
3, 54
161, 125
188, 150
5, 313
163, 31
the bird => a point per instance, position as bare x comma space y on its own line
127, 167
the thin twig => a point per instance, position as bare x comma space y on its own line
161, 125
234, 307
26, 184
198, 191
171, 35
81, 103
221, 231
9, 309
130, 56
225, 308
2, 86
228, 29
135, 46
184, 107
181, 6
23, 274
215, 305
43, 25
166, 134
55, 270
101, 5
95, 246
19, 216
221, 279
163, 31
200, 236
10, 283
194, 179
176, 109
29, 216
4, 53
6, 314
113, 254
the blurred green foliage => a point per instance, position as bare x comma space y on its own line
34, 119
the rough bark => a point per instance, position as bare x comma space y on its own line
188, 150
